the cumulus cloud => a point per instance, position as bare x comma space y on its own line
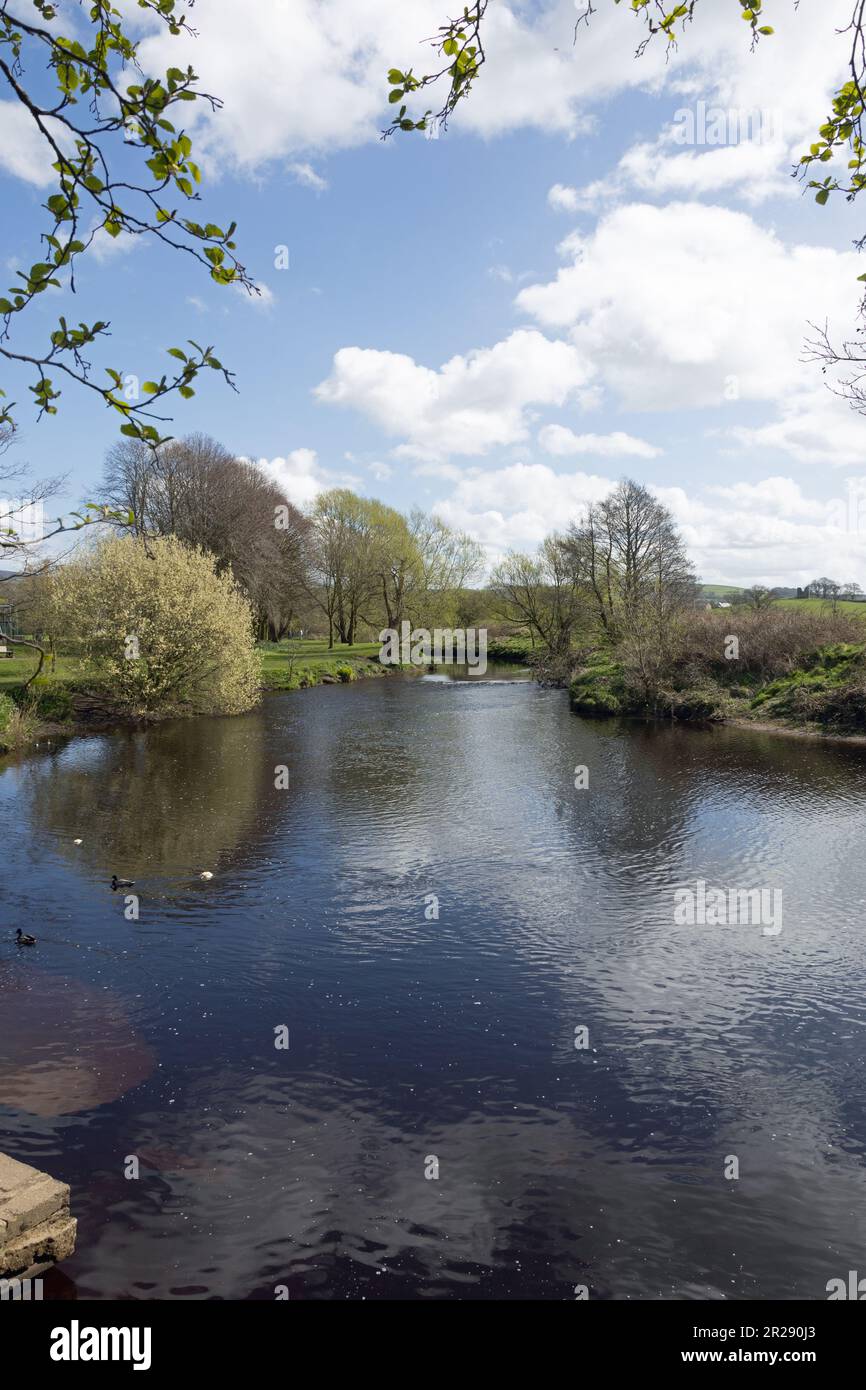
309, 77
301, 476
562, 198
814, 427
559, 440
470, 405
515, 507
24, 152
768, 532
690, 305
746, 117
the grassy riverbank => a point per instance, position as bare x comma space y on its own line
69, 692
825, 692
785, 678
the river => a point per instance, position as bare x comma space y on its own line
352, 1064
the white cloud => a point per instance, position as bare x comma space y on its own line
24, 152
772, 496
815, 427
767, 532
558, 440
306, 174
307, 77
753, 170
690, 306
747, 116
261, 297
471, 404
515, 507
562, 198
105, 248
301, 476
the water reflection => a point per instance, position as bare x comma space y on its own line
450, 1032
64, 1047
126, 797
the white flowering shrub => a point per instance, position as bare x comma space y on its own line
161, 630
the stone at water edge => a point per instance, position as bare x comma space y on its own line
36, 1228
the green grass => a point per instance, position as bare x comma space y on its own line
828, 689
820, 605
14, 673
598, 688
296, 665
517, 650
285, 666
711, 589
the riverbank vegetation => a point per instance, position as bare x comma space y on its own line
163, 630
615, 604
204, 586
210, 588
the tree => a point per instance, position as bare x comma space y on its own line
367, 563
342, 579
544, 593
823, 588
195, 489
396, 564
448, 560
462, 55
758, 597
631, 558
89, 117
165, 630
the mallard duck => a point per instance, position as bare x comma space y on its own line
121, 882
22, 939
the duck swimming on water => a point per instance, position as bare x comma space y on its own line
22, 939
121, 882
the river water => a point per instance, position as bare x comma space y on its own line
429, 915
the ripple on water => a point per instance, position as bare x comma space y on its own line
432, 909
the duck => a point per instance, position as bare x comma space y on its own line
121, 882
22, 939
206, 873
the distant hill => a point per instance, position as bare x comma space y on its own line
722, 591
719, 590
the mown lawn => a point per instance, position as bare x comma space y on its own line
17, 670
292, 665
285, 665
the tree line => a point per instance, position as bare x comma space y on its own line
620, 574
351, 565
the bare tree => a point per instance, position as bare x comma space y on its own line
545, 593
195, 489
630, 556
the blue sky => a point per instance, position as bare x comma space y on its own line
608, 300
